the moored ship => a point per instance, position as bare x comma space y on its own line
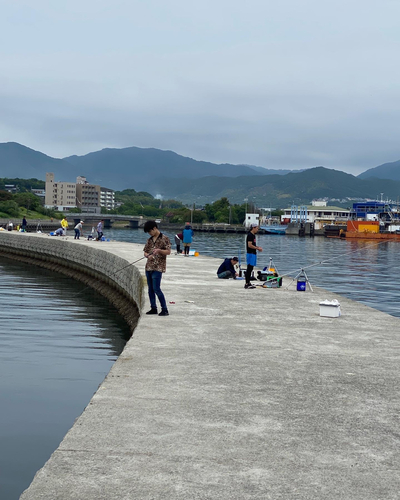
370, 221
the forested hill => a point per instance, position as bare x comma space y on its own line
189, 180
385, 171
118, 169
138, 168
276, 190
17, 160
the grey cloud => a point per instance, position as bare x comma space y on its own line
281, 85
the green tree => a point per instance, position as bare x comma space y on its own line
10, 207
27, 200
5, 195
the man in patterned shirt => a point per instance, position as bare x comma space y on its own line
156, 250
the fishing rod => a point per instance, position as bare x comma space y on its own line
119, 270
332, 258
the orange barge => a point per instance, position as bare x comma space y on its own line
368, 230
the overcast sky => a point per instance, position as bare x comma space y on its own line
283, 84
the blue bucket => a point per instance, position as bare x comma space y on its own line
301, 285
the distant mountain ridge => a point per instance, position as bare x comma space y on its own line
189, 180
386, 171
277, 190
139, 168
17, 160
117, 168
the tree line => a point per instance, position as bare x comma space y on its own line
143, 203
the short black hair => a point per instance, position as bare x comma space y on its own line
150, 224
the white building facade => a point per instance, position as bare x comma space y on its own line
318, 213
107, 198
251, 219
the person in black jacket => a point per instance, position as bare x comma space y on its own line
227, 269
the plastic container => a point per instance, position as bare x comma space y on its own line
279, 281
301, 284
329, 309
271, 284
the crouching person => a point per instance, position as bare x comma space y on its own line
156, 250
227, 269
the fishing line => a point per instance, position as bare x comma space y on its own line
333, 258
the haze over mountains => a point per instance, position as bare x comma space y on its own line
174, 176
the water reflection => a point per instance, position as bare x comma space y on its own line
56, 346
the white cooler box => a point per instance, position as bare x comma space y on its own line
329, 309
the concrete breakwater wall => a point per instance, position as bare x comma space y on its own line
237, 395
107, 273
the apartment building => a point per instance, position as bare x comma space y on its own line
87, 196
107, 198
59, 195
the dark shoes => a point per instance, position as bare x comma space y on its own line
152, 311
164, 312
248, 286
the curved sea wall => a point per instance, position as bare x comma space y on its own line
107, 273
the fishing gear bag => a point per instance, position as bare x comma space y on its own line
265, 275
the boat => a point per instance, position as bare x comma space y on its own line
334, 230
370, 221
274, 228
371, 230
272, 225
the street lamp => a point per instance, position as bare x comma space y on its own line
246, 200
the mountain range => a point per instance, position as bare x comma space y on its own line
116, 168
280, 191
174, 176
385, 171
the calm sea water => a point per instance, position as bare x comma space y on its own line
55, 349
368, 272
57, 346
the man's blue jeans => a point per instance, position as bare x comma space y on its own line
225, 275
154, 282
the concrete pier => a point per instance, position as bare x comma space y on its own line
238, 394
